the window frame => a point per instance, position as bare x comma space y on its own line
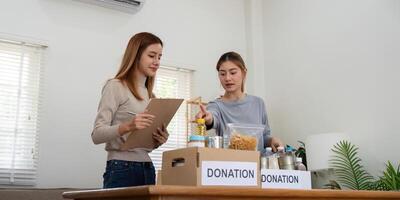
31, 54
180, 137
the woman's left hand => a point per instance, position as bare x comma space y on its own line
160, 136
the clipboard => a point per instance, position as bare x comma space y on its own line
163, 110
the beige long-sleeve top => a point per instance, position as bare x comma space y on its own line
116, 101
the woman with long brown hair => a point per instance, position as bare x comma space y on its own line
235, 106
122, 110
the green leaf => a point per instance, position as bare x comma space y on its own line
348, 168
391, 177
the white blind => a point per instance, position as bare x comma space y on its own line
20, 67
173, 83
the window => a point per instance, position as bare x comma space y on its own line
20, 76
173, 83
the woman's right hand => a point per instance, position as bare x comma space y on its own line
203, 113
139, 121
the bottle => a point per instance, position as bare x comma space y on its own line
281, 152
196, 141
299, 164
264, 158
291, 152
201, 127
272, 159
268, 152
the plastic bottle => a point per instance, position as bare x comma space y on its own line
292, 152
299, 164
201, 127
281, 152
272, 159
268, 152
264, 158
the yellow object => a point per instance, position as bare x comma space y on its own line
201, 126
200, 121
192, 109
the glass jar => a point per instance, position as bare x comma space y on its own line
196, 141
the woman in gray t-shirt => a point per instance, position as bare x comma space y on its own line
235, 106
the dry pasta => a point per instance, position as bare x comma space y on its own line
242, 142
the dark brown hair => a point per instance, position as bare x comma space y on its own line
137, 44
237, 60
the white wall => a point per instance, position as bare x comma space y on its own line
328, 66
334, 66
255, 51
86, 43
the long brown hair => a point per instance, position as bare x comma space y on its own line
237, 60
137, 44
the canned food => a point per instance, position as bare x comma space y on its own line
286, 162
214, 142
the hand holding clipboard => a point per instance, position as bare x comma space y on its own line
163, 110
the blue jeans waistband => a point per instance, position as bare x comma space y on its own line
130, 163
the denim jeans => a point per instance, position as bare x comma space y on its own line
120, 173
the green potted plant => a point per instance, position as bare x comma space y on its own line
351, 173
390, 180
348, 167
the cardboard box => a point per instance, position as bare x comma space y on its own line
197, 166
285, 179
158, 177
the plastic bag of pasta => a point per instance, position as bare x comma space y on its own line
244, 136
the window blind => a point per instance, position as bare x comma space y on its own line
173, 83
20, 77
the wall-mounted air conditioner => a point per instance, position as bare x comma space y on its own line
129, 6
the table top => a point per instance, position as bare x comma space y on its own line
219, 191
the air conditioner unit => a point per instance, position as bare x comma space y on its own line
128, 6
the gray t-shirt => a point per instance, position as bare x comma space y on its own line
249, 110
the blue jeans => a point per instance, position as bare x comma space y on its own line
120, 173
